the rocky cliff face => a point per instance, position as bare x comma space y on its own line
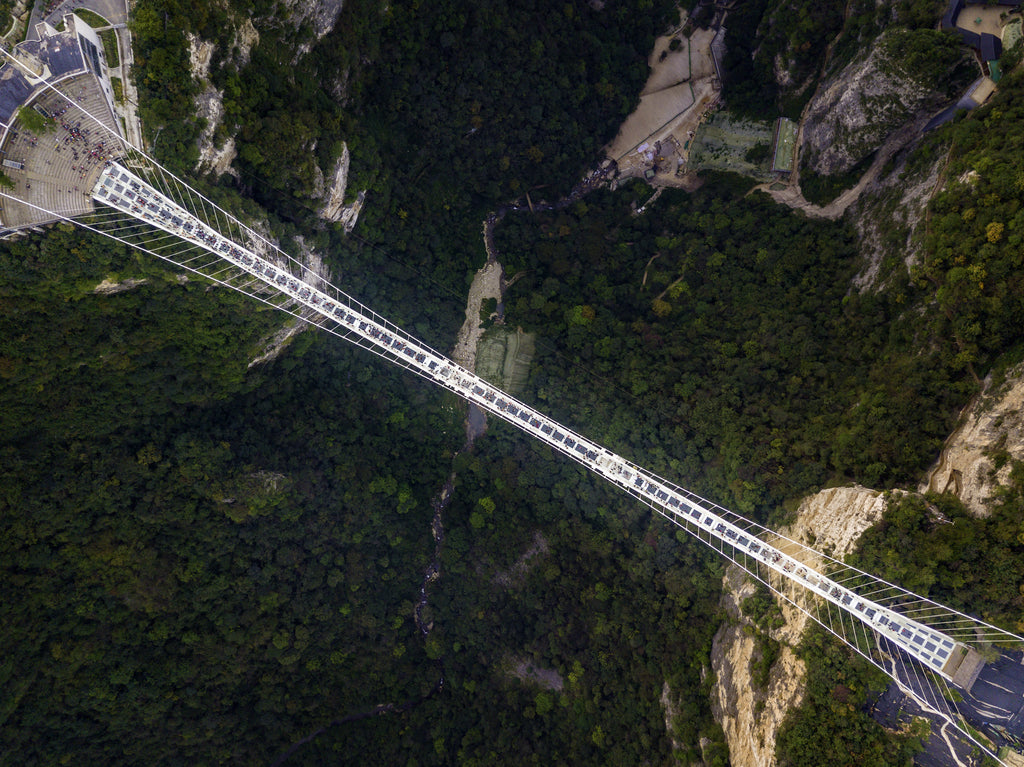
750, 715
832, 520
217, 157
888, 213
976, 457
855, 111
975, 460
334, 207
322, 14
209, 103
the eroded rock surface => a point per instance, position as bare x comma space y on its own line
107, 288
854, 112
334, 207
991, 432
750, 716
322, 14
831, 520
887, 215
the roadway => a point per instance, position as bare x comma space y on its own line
997, 697
942, 748
995, 704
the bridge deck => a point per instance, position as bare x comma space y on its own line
132, 195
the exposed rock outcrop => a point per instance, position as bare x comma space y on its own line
315, 273
322, 14
272, 346
213, 159
210, 101
887, 214
853, 113
334, 207
977, 456
530, 673
246, 38
200, 52
217, 151
974, 462
750, 716
486, 284
832, 520
107, 288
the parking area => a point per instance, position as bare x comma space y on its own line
655, 139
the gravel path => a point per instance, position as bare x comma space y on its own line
486, 284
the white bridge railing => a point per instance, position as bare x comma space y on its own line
142, 205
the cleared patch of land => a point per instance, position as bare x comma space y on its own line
655, 112
486, 284
723, 143
981, 20
530, 673
503, 357
669, 63
680, 90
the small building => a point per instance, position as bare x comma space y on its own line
991, 47
971, 39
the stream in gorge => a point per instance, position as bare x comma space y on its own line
489, 282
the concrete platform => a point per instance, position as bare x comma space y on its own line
61, 166
964, 666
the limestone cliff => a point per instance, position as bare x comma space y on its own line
214, 158
322, 14
832, 520
334, 207
882, 90
312, 20
975, 460
887, 214
976, 457
750, 716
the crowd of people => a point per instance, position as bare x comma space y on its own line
86, 153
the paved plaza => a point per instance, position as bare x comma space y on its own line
61, 166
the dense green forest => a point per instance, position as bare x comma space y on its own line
192, 550
832, 725
432, 102
231, 550
206, 563
720, 343
224, 552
